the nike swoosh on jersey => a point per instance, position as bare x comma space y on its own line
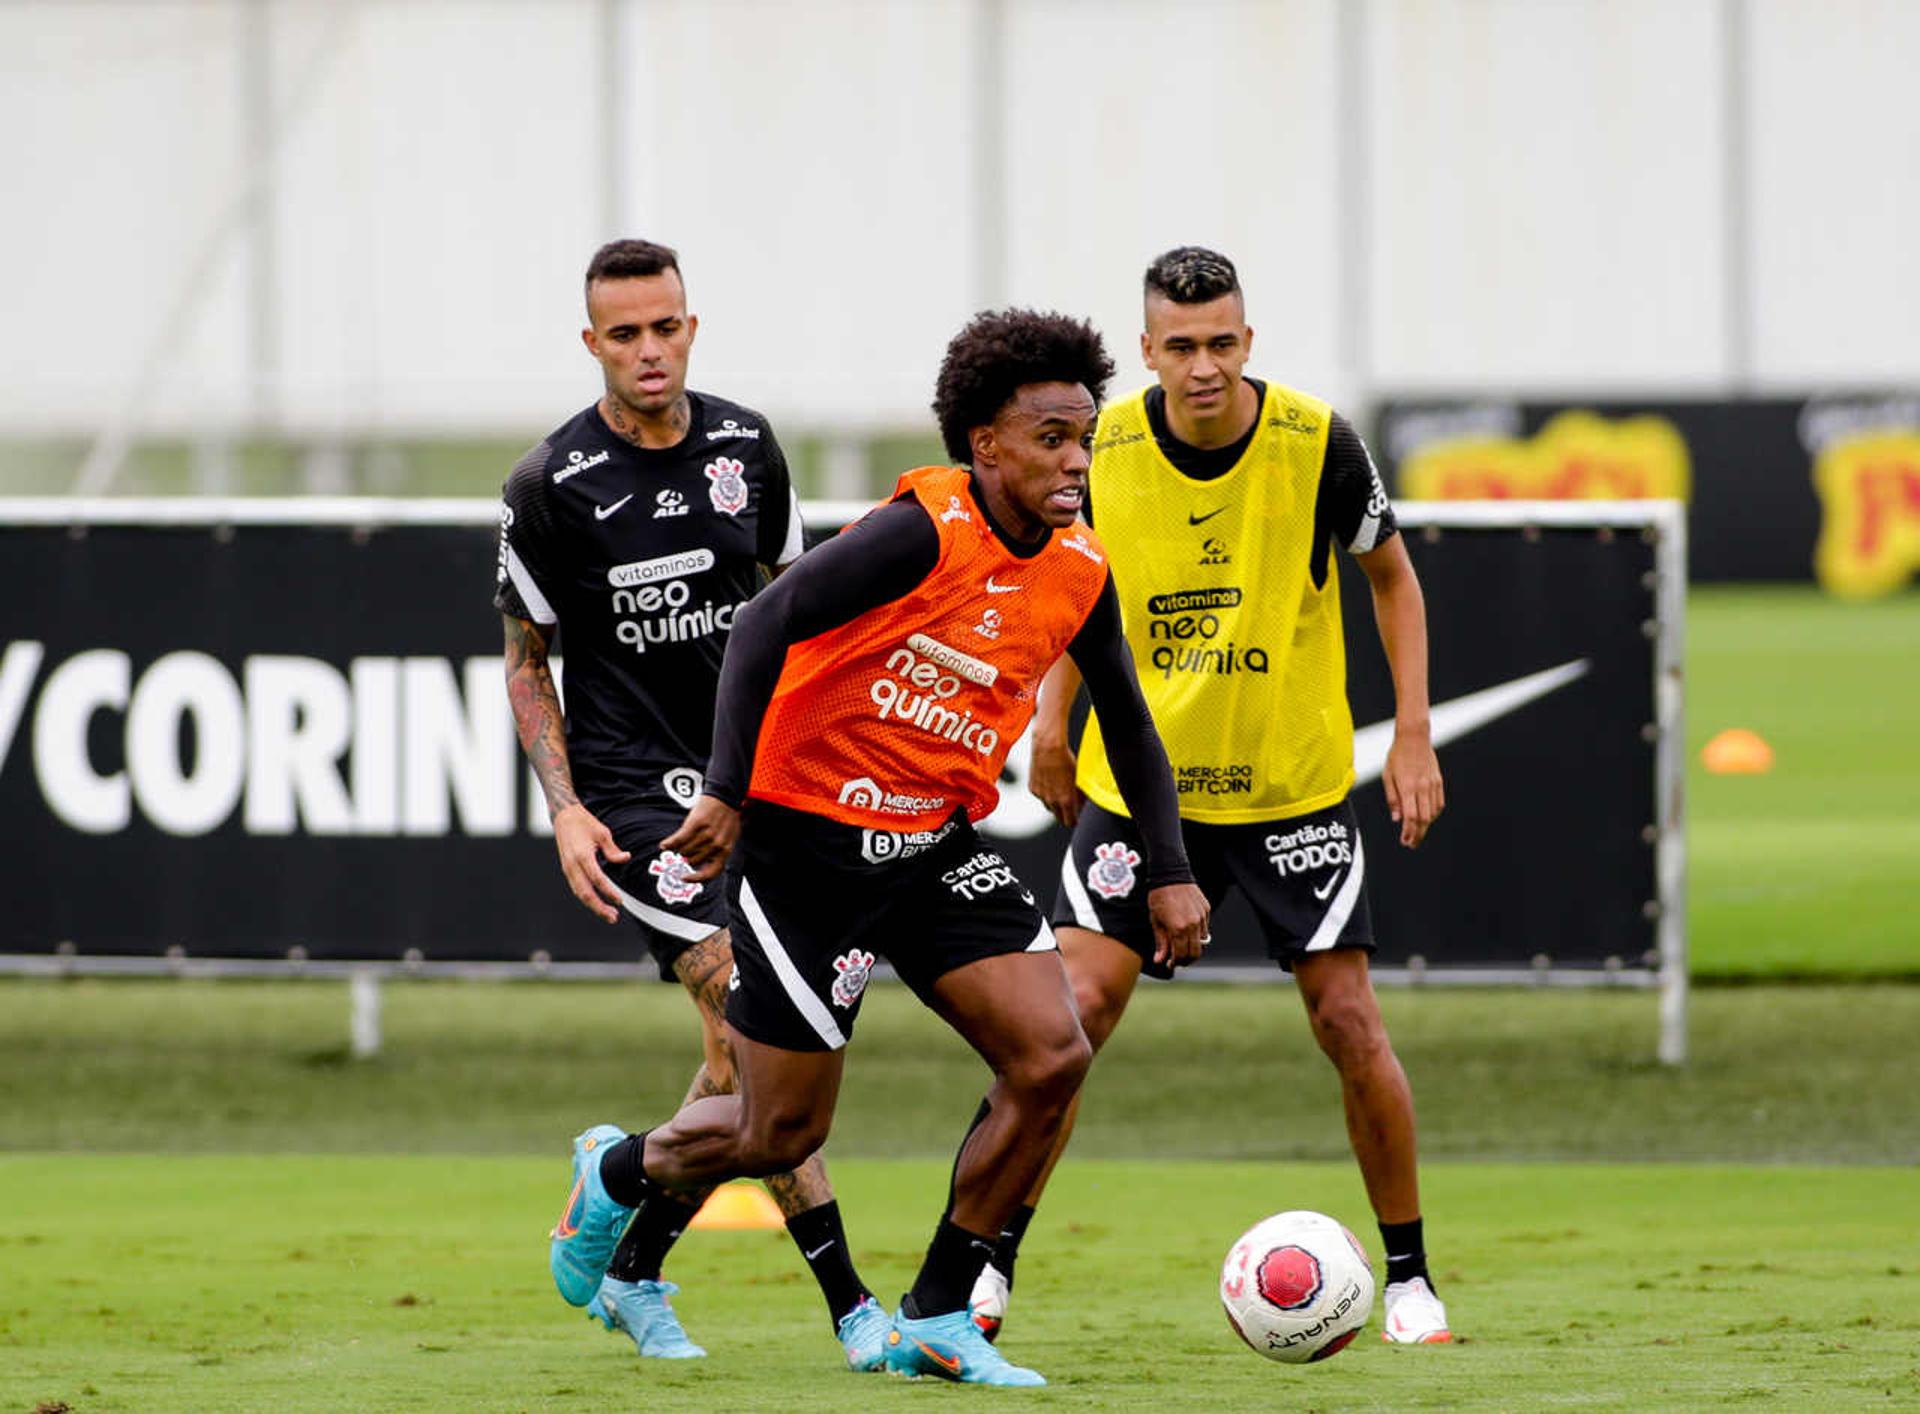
1193, 519
1454, 719
1321, 894
602, 512
993, 588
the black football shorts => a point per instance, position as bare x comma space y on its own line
1304, 876
817, 903
672, 911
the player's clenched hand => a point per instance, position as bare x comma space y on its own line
1415, 793
1181, 921
581, 840
1050, 778
705, 837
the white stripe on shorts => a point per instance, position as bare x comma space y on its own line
692, 929
1044, 941
798, 992
1328, 933
1077, 897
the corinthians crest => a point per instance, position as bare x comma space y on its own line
671, 870
851, 970
727, 487
1111, 874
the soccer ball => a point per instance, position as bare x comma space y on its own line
1297, 1287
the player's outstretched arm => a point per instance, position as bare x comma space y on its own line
1415, 792
578, 834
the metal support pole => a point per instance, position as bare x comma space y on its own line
363, 991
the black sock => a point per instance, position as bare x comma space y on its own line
623, 1171
954, 1259
1406, 1251
1006, 1251
656, 1226
823, 1242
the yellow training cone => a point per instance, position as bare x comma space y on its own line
736, 1207
1737, 752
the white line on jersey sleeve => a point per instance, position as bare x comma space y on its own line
795, 543
528, 591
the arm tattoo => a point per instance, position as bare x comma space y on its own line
536, 712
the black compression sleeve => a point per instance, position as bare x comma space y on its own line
1134, 749
885, 555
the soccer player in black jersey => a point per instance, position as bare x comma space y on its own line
1221, 499
637, 530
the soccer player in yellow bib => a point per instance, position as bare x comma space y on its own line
1219, 498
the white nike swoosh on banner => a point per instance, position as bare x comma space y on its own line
602, 512
1455, 719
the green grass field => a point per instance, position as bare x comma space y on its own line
339, 1283
206, 1205
1814, 868
324, 1234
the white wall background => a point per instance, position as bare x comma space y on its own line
342, 216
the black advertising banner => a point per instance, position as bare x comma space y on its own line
243, 738
1777, 489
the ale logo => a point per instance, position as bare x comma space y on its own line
1577, 456
1869, 489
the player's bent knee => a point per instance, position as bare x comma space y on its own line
1050, 1075
1350, 1030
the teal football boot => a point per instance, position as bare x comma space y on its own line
863, 1333
642, 1309
590, 1225
950, 1347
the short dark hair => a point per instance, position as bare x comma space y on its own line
1001, 351
1192, 274
631, 259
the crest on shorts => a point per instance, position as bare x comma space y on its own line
1111, 874
728, 487
850, 976
670, 874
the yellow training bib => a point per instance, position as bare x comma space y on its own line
1241, 658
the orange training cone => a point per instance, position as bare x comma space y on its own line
1737, 752
738, 1207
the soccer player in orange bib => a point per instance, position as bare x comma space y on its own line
867, 704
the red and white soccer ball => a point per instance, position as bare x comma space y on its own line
1297, 1287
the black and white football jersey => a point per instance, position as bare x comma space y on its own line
642, 557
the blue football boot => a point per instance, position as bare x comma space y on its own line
863, 1333
642, 1309
590, 1225
950, 1347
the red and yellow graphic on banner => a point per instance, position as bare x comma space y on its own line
1869, 489
1577, 456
